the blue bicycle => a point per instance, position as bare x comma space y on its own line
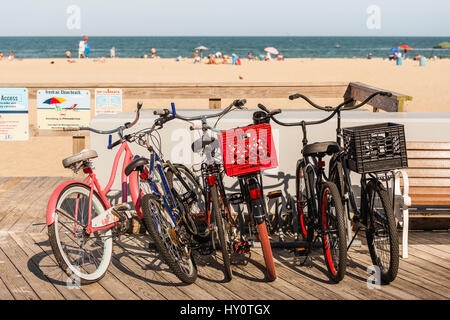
164, 214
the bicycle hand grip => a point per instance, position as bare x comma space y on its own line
239, 103
160, 112
115, 144
386, 94
139, 105
262, 107
294, 96
195, 127
274, 112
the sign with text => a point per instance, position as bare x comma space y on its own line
108, 101
63, 108
13, 114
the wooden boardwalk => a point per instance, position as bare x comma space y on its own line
28, 269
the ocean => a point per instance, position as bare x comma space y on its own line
171, 47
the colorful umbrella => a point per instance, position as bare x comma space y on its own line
405, 47
271, 50
394, 49
201, 48
54, 100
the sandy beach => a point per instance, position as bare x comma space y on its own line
427, 85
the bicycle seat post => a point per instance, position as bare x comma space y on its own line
305, 139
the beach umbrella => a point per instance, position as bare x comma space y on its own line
271, 50
201, 49
54, 100
394, 49
405, 47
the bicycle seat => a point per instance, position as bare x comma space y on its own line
136, 163
320, 148
197, 146
82, 156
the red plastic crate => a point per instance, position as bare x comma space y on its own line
248, 149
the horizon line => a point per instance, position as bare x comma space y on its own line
225, 36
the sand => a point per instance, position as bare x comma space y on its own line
41, 156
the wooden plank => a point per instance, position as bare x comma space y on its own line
428, 173
428, 154
44, 289
50, 270
420, 145
429, 182
430, 199
139, 250
9, 183
94, 291
428, 163
361, 91
4, 291
14, 280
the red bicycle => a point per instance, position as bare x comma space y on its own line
81, 221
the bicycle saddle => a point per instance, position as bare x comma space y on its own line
82, 156
320, 148
199, 144
136, 163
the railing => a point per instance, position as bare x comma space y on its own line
215, 93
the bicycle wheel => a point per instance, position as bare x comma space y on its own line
223, 236
189, 192
305, 219
267, 251
85, 257
334, 240
172, 241
381, 232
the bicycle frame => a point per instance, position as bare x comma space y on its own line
92, 183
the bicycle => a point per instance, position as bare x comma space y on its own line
81, 222
381, 146
163, 212
250, 185
319, 204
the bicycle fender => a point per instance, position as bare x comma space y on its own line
51, 206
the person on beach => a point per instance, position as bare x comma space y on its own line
81, 48
280, 57
196, 57
153, 51
86, 47
11, 56
1, 56
112, 52
250, 56
212, 60
68, 54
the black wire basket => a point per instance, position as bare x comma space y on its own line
375, 148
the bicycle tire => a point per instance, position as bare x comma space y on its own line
305, 220
196, 209
164, 242
387, 221
61, 256
224, 246
267, 251
336, 269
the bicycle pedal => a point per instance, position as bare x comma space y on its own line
300, 252
241, 247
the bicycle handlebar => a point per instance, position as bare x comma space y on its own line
127, 125
236, 103
327, 108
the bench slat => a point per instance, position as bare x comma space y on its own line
429, 182
429, 190
428, 145
436, 200
428, 154
428, 173
428, 163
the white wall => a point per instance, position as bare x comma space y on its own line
177, 138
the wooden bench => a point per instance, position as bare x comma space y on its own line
429, 184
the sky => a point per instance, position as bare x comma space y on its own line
225, 18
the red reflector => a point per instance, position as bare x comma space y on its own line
321, 164
255, 194
87, 170
211, 180
144, 175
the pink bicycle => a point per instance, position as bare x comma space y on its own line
81, 221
